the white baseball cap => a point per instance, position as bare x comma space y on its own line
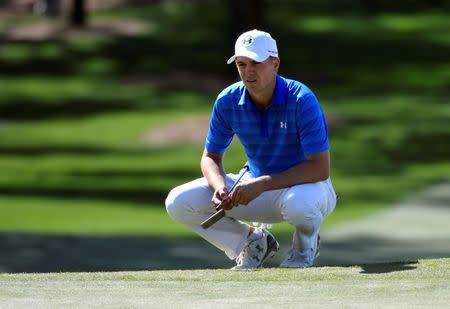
256, 45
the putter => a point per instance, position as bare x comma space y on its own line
220, 211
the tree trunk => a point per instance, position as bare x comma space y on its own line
244, 15
78, 14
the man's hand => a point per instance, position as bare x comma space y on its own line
242, 194
246, 192
221, 196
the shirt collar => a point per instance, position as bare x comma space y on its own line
279, 95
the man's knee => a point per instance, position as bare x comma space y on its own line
303, 211
175, 203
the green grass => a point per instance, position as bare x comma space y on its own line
422, 283
92, 217
418, 25
117, 214
61, 168
72, 122
113, 130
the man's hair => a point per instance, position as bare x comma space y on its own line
272, 58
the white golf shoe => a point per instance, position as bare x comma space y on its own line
297, 259
260, 246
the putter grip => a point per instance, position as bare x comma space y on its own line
213, 219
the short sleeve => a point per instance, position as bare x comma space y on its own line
313, 132
220, 133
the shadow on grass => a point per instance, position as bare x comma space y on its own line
38, 150
83, 149
382, 268
146, 192
142, 197
56, 253
68, 108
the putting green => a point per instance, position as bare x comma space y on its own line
396, 285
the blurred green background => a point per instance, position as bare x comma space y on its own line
78, 104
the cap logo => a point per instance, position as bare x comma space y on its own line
248, 40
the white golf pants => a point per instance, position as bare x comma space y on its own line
304, 206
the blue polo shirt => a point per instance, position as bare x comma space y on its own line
292, 128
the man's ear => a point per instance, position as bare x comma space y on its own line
276, 64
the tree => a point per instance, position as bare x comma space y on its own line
78, 14
245, 15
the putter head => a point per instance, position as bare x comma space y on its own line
213, 219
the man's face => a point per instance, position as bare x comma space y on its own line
257, 76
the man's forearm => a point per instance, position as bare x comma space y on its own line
312, 170
213, 171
